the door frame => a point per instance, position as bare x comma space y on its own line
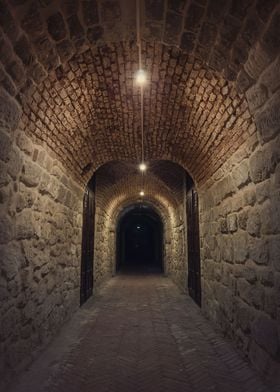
193, 241
87, 253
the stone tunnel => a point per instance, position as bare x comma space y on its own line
70, 131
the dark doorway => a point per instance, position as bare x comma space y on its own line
140, 240
194, 278
88, 242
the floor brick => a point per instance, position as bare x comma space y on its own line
139, 333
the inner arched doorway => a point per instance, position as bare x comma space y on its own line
140, 240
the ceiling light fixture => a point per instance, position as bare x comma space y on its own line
141, 77
141, 80
143, 167
142, 193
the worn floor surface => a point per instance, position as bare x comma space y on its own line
139, 334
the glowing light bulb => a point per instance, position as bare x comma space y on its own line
143, 166
142, 193
141, 77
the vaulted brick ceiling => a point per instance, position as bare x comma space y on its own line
165, 180
71, 65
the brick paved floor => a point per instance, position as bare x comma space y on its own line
139, 334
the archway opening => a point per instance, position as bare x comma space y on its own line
140, 240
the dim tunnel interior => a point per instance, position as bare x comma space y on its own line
139, 241
76, 124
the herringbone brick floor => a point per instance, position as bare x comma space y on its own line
140, 334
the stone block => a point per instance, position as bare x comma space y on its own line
218, 59
177, 5
37, 72
5, 146
271, 37
268, 119
271, 76
216, 11
56, 26
265, 8
227, 250
243, 316
8, 322
194, 17
270, 218
242, 219
239, 8
15, 163
251, 294
24, 225
257, 61
75, 27
276, 180
240, 247
90, 12
10, 111
232, 223
154, 9
65, 49
264, 332
263, 162
263, 191
253, 222
61, 196
12, 260
241, 175
223, 189
4, 178
249, 197
25, 144
258, 251
207, 34
39, 157
23, 50
274, 252
31, 174
173, 26
266, 277
256, 96
249, 273
6, 228
270, 302
46, 53
243, 81
32, 22
223, 226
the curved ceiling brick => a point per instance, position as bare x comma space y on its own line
71, 65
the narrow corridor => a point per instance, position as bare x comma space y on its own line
139, 333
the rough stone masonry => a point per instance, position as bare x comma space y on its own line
69, 105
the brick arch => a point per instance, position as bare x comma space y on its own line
163, 211
113, 197
70, 65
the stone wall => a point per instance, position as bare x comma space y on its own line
240, 229
104, 248
178, 263
40, 244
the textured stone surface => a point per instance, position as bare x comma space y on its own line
167, 342
69, 67
35, 303
244, 220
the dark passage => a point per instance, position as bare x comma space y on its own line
139, 240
